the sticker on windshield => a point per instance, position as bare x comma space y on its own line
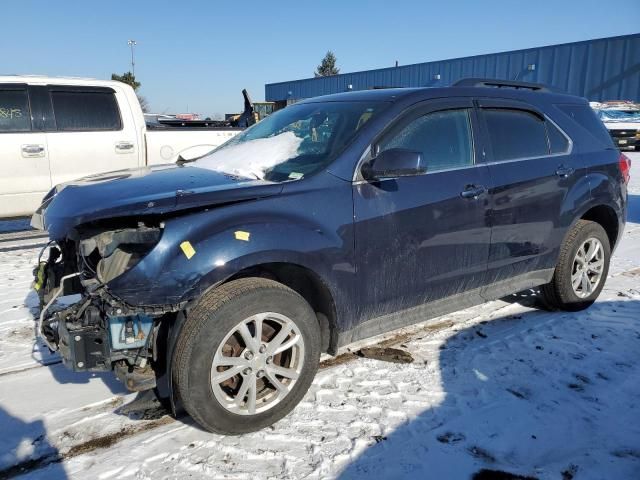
296, 175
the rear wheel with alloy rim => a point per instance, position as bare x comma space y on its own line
246, 355
587, 267
581, 270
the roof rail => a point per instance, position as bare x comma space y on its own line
496, 83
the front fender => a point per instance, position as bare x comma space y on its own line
223, 242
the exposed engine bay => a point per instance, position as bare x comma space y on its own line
99, 331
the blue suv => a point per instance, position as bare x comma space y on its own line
218, 283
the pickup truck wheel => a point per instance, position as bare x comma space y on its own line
246, 355
581, 270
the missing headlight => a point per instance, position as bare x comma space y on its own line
109, 254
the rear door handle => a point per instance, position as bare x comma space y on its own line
32, 151
124, 147
473, 191
564, 172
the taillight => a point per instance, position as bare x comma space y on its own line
625, 167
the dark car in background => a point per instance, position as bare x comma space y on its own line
221, 281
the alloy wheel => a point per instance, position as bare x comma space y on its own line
257, 364
588, 265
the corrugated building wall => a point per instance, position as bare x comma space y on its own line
600, 69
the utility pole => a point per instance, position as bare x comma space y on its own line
132, 43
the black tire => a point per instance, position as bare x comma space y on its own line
559, 293
216, 314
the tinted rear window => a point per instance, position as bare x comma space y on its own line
587, 119
14, 111
85, 111
515, 134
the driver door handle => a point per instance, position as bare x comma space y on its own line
31, 151
124, 147
473, 191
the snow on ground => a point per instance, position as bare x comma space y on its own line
501, 387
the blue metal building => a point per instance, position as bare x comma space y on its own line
600, 69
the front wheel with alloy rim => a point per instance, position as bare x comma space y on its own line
246, 355
581, 270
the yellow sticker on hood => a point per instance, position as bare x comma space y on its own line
240, 235
187, 249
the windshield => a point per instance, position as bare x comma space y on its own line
292, 143
620, 115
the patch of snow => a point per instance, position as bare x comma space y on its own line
252, 158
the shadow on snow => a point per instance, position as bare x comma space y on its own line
633, 209
525, 396
24, 445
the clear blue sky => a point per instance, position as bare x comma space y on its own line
200, 54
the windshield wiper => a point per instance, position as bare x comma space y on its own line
182, 161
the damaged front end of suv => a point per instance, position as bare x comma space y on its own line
100, 331
114, 280
213, 284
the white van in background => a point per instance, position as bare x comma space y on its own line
54, 130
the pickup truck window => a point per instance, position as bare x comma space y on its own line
443, 138
515, 134
612, 115
292, 143
85, 111
14, 111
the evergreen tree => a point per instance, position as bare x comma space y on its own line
130, 79
328, 66
127, 78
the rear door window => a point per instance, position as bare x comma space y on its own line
85, 111
515, 134
443, 138
15, 115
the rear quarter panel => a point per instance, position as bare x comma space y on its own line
602, 175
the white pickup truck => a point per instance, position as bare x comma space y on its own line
54, 130
622, 119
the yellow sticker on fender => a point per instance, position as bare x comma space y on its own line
187, 249
240, 235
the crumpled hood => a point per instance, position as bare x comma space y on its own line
143, 191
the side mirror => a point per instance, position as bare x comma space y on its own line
395, 162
